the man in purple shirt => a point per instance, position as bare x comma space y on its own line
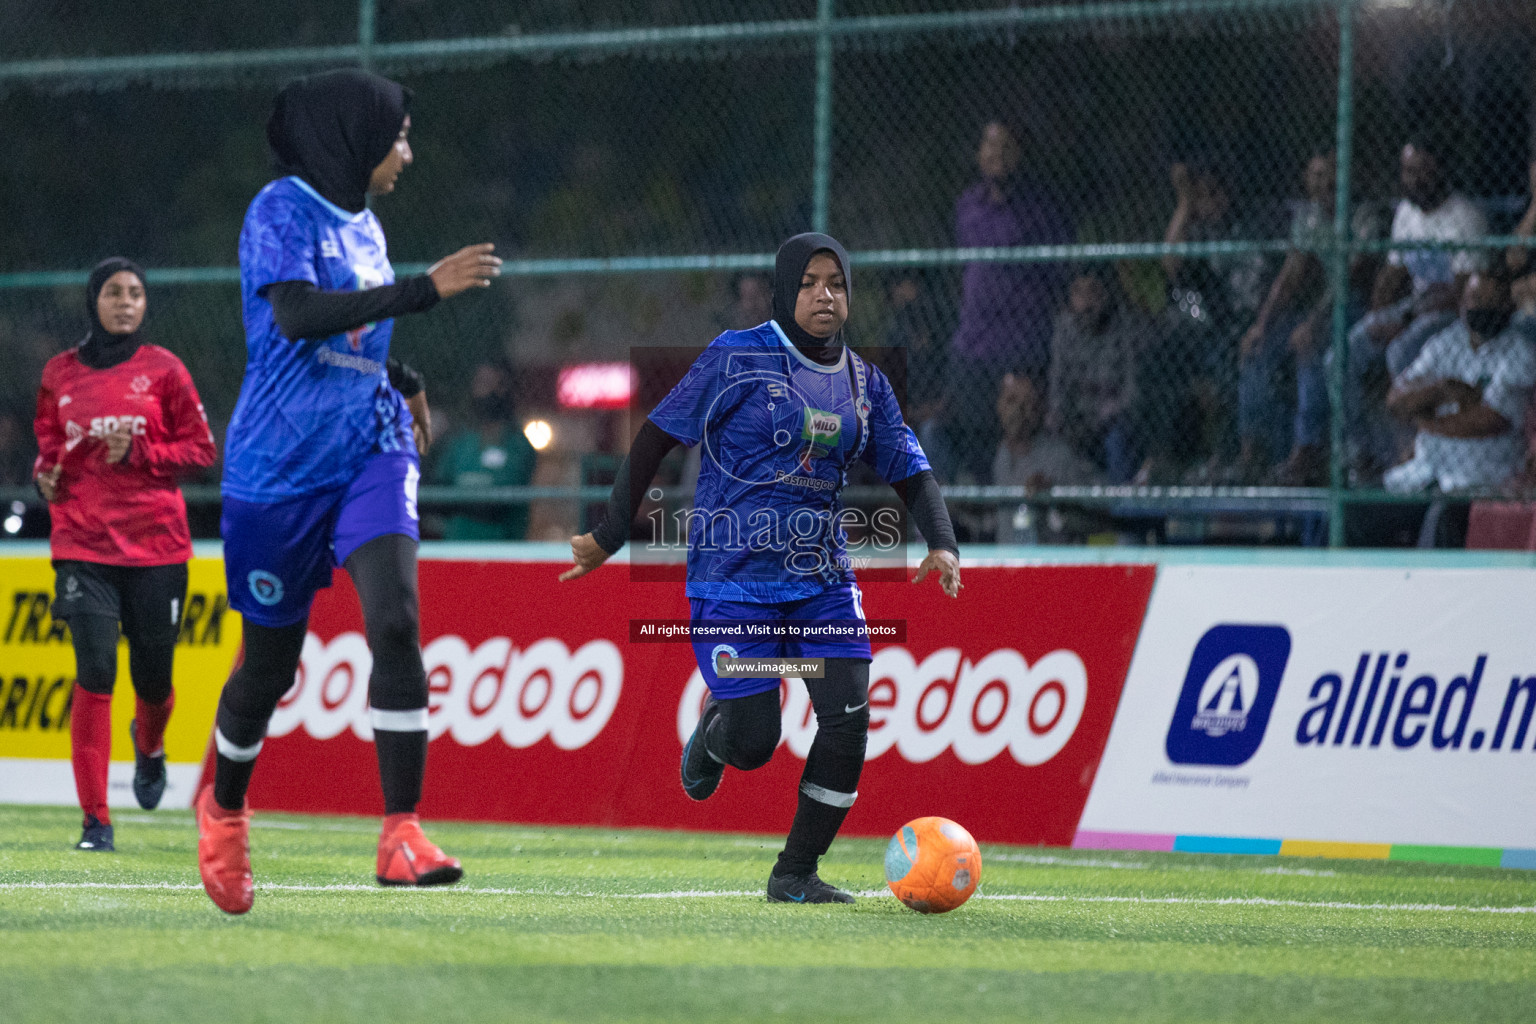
1005, 308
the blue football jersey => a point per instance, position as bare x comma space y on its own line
310, 412
779, 432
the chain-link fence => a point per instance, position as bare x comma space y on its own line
1138, 253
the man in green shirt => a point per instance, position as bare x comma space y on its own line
490, 452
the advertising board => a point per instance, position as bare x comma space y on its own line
992, 710
1367, 712
37, 671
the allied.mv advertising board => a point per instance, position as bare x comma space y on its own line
1275, 707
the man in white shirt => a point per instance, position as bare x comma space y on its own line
1429, 212
1414, 297
1467, 391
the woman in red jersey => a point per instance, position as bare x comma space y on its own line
118, 424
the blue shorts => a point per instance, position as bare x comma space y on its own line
277, 555
839, 613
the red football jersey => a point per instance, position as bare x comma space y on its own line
130, 513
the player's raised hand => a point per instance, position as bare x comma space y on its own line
48, 483
118, 441
471, 267
587, 553
948, 568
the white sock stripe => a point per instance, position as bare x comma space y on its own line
229, 749
830, 797
398, 721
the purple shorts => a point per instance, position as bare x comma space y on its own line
831, 625
277, 555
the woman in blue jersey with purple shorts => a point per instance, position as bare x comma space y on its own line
781, 411
322, 457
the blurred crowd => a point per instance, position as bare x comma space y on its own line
1210, 366
1220, 371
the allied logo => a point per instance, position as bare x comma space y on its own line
1229, 691
139, 385
329, 249
1226, 697
266, 588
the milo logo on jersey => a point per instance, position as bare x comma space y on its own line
821, 432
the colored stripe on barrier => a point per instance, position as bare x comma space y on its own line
1484, 856
1478, 856
1336, 851
1225, 844
1519, 859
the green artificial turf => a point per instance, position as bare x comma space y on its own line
588, 924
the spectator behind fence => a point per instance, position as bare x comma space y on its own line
1523, 268
1095, 350
1414, 297
751, 302
1029, 456
490, 452
1428, 211
1291, 332
1468, 392
16, 451
1005, 308
914, 327
1188, 386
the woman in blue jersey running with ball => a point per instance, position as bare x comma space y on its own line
323, 457
782, 411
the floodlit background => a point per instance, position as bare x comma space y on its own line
1074, 336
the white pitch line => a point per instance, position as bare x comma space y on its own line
1193, 901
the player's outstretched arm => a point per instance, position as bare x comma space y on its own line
925, 503
471, 267
413, 388
304, 311
947, 565
635, 474
587, 554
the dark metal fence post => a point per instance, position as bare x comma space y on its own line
367, 13
821, 171
1343, 249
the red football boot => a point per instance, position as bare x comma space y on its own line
408, 857
224, 854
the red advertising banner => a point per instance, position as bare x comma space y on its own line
993, 710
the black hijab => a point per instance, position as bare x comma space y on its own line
788, 268
101, 348
332, 129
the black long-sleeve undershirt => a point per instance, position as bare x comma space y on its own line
925, 503
303, 311
920, 492
635, 475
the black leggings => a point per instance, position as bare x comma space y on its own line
746, 731
95, 642
384, 572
